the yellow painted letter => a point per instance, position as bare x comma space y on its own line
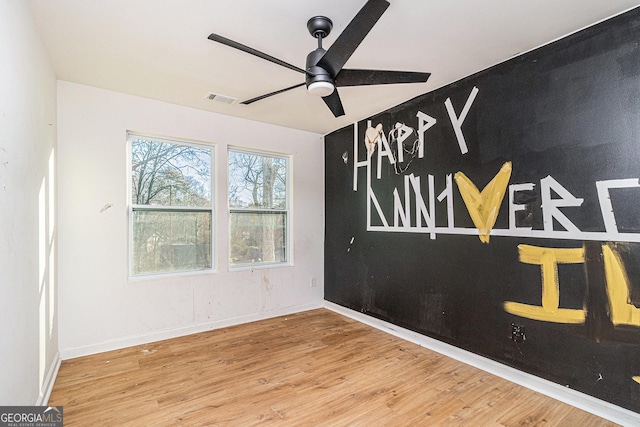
622, 311
548, 259
483, 207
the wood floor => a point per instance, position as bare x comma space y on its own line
315, 368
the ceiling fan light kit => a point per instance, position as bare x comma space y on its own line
324, 72
321, 88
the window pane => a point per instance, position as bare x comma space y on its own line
167, 174
257, 181
171, 241
257, 237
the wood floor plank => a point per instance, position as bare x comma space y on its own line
313, 368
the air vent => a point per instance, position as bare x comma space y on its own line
221, 98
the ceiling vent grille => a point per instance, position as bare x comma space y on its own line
221, 98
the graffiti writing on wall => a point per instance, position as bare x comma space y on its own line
621, 311
503, 203
416, 200
483, 206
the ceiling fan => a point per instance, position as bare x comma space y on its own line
324, 70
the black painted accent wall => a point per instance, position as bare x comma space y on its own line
567, 116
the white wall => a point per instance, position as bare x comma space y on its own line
28, 331
100, 308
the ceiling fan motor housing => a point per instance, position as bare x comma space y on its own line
319, 81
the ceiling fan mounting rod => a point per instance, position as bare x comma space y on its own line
319, 27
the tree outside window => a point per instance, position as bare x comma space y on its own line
171, 206
258, 208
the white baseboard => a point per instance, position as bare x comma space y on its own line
49, 380
575, 398
116, 344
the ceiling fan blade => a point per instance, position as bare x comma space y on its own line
378, 77
347, 42
247, 49
258, 98
334, 103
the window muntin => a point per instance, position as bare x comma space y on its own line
258, 208
171, 216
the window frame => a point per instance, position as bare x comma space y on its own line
288, 240
132, 207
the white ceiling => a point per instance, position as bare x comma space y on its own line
159, 48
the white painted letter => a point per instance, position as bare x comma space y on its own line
384, 150
448, 193
398, 210
404, 132
425, 121
421, 210
550, 206
605, 199
457, 121
513, 207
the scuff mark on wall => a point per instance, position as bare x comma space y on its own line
5, 163
350, 243
370, 305
105, 207
432, 314
268, 287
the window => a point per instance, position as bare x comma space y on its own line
258, 208
171, 211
